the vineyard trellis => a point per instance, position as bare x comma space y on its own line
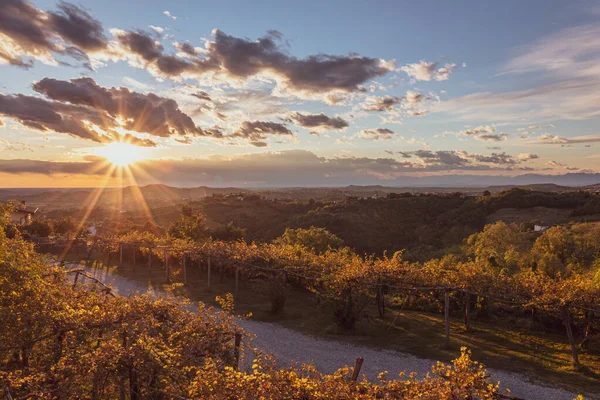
375, 277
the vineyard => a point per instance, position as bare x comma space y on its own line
349, 282
63, 340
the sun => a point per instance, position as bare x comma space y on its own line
121, 154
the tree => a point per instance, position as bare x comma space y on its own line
190, 225
316, 239
39, 227
64, 225
554, 250
498, 247
228, 233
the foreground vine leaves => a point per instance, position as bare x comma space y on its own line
65, 341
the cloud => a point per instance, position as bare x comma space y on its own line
556, 164
157, 29
83, 109
14, 146
557, 139
76, 26
527, 156
427, 71
492, 137
168, 14
568, 64
231, 57
452, 158
257, 131
387, 103
202, 95
285, 168
377, 134
485, 133
319, 121
43, 115
27, 33
143, 113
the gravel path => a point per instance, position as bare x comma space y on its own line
289, 346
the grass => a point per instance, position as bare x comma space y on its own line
503, 344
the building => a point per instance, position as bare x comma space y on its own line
22, 215
540, 228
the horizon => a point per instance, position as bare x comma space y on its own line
187, 96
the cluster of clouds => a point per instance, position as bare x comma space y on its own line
484, 133
458, 159
276, 168
27, 33
84, 109
427, 71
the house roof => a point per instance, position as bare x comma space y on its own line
27, 210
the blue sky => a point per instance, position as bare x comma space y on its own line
483, 88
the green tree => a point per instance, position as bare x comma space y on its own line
316, 239
498, 247
39, 227
64, 225
228, 233
190, 225
554, 250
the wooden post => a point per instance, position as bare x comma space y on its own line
208, 272
467, 311
567, 322
168, 272
149, 261
357, 366
237, 282
75, 280
380, 301
120, 254
447, 316
184, 268
7, 393
236, 350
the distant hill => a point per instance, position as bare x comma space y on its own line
156, 195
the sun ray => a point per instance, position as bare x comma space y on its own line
91, 202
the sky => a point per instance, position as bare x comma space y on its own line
304, 93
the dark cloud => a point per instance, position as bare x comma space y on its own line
43, 115
257, 131
30, 33
144, 113
202, 95
82, 108
150, 51
186, 48
78, 27
319, 121
385, 103
492, 137
242, 58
